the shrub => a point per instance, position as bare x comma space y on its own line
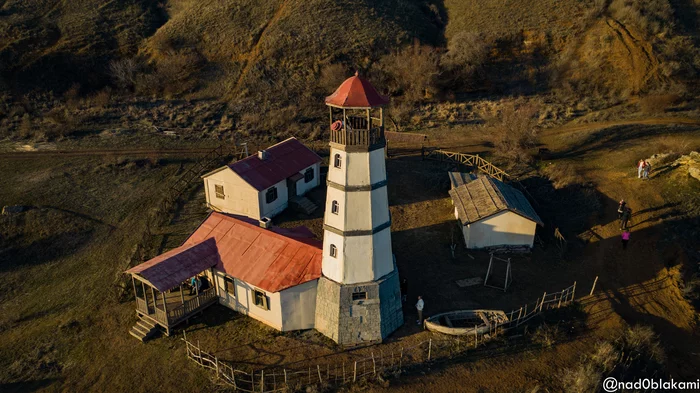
562, 175
582, 379
513, 131
331, 77
466, 54
411, 72
124, 72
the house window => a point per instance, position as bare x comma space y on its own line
260, 299
230, 285
219, 189
337, 161
334, 251
359, 296
309, 175
271, 195
335, 207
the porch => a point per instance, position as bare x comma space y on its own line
171, 307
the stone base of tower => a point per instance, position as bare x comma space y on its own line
359, 313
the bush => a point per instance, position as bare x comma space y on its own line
124, 72
331, 77
466, 54
582, 379
562, 175
411, 72
513, 131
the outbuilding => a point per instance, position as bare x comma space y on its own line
492, 213
263, 184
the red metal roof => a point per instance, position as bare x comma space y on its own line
168, 270
283, 160
356, 92
272, 260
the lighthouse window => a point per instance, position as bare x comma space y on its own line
308, 175
271, 195
337, 161
359, 295
334, 251
335, 207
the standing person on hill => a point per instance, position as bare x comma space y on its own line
640, 168
624, 220
621, 208
625, 238
647, 169
419, 307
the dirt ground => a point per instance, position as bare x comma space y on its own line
640, 285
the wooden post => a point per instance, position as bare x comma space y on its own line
262, 380
216, 364
374, 364
476, 337
165, 307
343, 372
318, 367
401, 360
133, 283
593, 287
285, 370
430, 347
354, 375
182, 295
573, 292
542, 303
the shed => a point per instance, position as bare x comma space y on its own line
262, 185
492, 213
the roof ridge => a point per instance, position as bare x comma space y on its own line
263, 230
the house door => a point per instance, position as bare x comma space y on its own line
292, 188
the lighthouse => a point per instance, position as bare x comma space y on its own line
358, 299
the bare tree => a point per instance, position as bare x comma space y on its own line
124, 72
513, 130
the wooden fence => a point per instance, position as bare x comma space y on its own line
470, 160
381, 361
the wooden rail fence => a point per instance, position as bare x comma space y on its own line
470, 160
380, 361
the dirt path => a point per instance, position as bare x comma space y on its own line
571, 128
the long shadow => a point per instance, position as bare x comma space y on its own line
27, 386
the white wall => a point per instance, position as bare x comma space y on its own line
302, 186
358, 169
299, 306
244, 304
333, 267
504, 228
278, 205
239, 196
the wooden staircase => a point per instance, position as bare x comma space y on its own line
144, 329
303, 204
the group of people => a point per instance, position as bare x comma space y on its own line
198, 284
643, 169
624, 213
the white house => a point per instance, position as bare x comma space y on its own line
491, 212
263, 184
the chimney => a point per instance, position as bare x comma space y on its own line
263, 155
265, 222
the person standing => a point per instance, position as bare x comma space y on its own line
647, 169
404, 290
625, 218
640, 168
621, 208
419, 307
625, 238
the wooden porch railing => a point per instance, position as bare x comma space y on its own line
180, 312
353, 136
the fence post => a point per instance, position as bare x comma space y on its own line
476, 337
593, 287
216, 364
343, 372
543, 298
199, 351
430, 347
573, 292
262, 380
374, 364
401, 360
285, 377
354, 375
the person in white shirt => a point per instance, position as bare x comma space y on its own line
419, 307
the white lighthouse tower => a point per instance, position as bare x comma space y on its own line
358, 296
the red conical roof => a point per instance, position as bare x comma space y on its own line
356, 92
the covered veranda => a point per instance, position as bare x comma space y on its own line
161, 287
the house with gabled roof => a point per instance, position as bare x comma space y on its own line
268, 274
492, 213
263, 184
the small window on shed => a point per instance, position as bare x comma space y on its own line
335, 207
309, 175
230, 286
260, 299
337, 161
271, 195
219, 190
334, 251
359, 296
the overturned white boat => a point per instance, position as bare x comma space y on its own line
458, 323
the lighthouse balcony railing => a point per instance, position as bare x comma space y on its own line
361, 137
